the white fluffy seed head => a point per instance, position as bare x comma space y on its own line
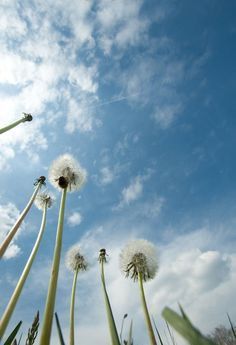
65, 172
75, 260
43, 198
139, 256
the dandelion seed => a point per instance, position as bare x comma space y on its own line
139, 261
66, 172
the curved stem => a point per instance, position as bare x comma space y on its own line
16, 226
72, 309
16, 294
146, 313
12, 125
50, 302
112, 326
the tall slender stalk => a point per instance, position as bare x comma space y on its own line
50, 302
72, 309
26, 117
12, 232
146, 313
112, 326
16, 294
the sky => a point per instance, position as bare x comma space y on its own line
142, 94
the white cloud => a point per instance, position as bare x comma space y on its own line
80, 116
132, 192
8, 216
166, 114
121, 24
74, 219
84, 77
107, 175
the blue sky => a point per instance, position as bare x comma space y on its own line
142, 94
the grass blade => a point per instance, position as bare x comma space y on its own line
232, 327
130, 340
170, 334
184, 327
13, 334
158, 334
59, 330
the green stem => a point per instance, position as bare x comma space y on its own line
146, 313
50, 302
112, 326
12, 232
16, 294
72, 309
12, 125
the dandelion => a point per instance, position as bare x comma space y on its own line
38, 184
111, 322
76, 263
42, 199
65, 174
47, 203
26, 117
138, 260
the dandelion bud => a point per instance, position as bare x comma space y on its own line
102, 255
27, 117
139, 257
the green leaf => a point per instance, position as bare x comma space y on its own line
13, 334
184, 327
59, 330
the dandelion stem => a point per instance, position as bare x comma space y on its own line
50, 302
72, 309
146, 313
112, 326
13, 124
12, 232
16, 294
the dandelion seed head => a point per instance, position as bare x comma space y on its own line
65, 172
139, 256
75, 260
43, 198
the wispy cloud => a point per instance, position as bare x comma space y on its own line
74, 219
131, 193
